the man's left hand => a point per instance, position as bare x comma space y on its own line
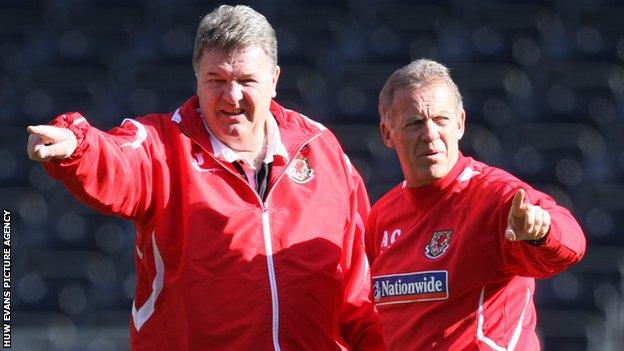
526, 221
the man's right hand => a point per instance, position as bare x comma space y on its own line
526, 221
47, 142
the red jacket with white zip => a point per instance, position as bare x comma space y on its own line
218, 268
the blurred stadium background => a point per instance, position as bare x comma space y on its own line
543, 83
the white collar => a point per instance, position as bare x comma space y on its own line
275, 146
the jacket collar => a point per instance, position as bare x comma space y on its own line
295, 129
274, 148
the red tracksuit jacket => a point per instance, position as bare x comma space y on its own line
445, 277
217, 267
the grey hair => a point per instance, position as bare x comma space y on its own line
417, 74
231, 28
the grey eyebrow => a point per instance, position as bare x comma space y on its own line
418, 117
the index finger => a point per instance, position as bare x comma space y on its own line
49, 134
518, 201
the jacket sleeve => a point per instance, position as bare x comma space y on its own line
359, 320
564, 245
114, 171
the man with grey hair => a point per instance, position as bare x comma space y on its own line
456, 246
249, 217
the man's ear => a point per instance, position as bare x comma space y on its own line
461, 124
274, 80
385, 134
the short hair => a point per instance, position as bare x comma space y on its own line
231, 28
417, 74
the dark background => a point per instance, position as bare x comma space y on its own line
543, 83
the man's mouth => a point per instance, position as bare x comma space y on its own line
430, 153
233, 112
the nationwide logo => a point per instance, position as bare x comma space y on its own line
438, 244
300, 171
410, 287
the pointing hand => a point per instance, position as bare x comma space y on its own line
47, 142
526, 221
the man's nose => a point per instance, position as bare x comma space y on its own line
233, 92
431, 131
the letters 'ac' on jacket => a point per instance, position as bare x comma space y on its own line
218, 268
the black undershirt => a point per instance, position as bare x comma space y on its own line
262, 177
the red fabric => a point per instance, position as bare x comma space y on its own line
472, 202
209, 230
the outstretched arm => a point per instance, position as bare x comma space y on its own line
541, 238
112, 172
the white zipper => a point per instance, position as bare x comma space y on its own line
268, 247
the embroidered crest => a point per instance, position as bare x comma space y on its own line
300, 171
438, 244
